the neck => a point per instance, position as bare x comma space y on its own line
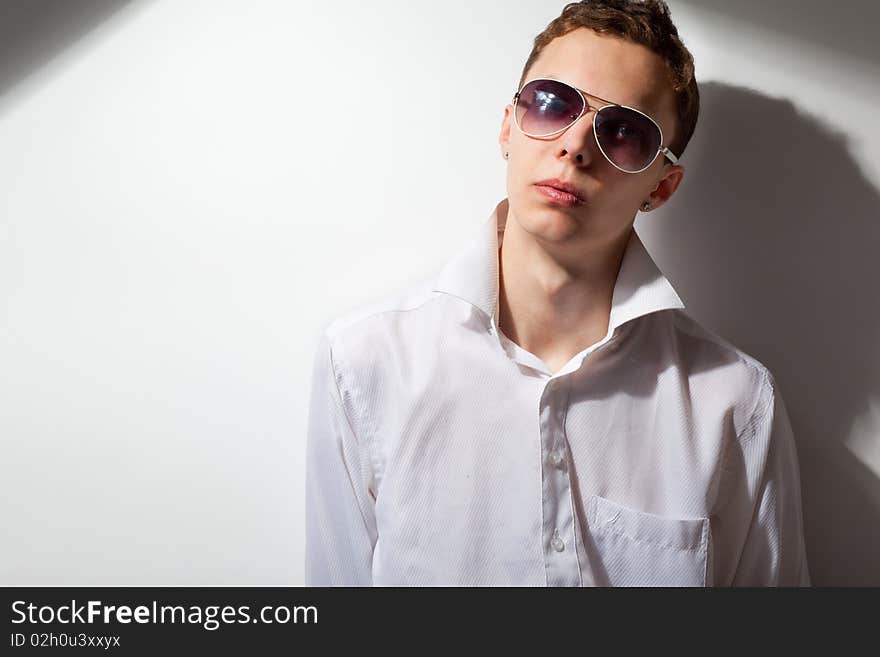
555, 298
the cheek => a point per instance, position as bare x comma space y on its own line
518, 169
629, 195
516, 180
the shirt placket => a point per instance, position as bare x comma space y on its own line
558, 524
560, 554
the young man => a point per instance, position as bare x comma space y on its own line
543, 411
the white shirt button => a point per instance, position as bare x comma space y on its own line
558, 544
556, 458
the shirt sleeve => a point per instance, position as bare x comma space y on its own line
340, 527
774, 553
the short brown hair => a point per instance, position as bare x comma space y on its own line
646, 22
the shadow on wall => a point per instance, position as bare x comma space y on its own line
844, 28
33, 32
774, 235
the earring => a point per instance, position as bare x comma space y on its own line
646, 206
506, 155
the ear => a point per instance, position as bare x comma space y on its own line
666, 186
504, 136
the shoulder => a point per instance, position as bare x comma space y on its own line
700, 341
405, 298
357, 334
717, 368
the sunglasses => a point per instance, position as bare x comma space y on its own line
627, 137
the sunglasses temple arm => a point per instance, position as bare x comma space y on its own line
668, 153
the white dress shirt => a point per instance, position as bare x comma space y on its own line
441, 453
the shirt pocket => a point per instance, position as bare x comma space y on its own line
634, 548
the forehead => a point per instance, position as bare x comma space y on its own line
610, 67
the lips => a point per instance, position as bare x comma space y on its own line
563, 186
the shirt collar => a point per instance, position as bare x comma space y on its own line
472, 275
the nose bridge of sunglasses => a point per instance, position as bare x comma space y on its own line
585, 114
586, 118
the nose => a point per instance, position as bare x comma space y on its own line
578, 141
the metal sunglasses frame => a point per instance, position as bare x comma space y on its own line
583, 94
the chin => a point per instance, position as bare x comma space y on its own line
551, 224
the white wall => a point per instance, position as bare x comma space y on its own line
187, 198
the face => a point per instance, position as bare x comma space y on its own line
621, 72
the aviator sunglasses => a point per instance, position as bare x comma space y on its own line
627, 137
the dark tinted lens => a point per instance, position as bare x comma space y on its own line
627, 138
545, 106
